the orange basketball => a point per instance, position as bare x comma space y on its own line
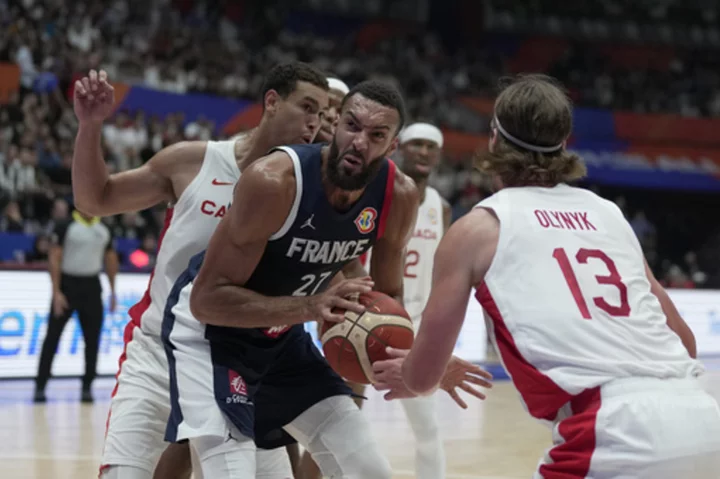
351, 347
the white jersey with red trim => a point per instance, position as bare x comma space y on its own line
189, 224
421, 252
567, 299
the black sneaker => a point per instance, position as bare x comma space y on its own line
87, 396
39, 396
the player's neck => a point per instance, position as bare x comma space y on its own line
421, 185
253, 146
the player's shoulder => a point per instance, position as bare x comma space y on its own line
405, 192
273, 171
181, 154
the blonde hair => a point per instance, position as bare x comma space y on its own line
536, 111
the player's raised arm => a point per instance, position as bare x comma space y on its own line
263, 200
95, 191
388, 254
461, 261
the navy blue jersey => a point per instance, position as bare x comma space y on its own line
315, 242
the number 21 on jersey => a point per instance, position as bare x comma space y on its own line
613, 278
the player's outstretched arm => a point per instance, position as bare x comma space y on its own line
674, 320
262, 202
461, 261
100, 194
387, 263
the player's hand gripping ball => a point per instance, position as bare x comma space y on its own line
353, 345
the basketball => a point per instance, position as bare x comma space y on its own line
352, 346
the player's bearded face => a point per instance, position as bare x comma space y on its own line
351, 178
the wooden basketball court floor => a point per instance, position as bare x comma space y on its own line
63, 439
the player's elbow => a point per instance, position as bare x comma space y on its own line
89, 206
200, 302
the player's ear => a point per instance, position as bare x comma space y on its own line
271, 100
393, 146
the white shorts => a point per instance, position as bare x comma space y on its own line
140, 408
140, 405
637, 429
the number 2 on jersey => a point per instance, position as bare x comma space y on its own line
308, 281
613, 279
411, 259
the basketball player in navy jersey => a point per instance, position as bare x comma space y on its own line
298, 216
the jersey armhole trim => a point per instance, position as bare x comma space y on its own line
195, 184
298, 194
502, 238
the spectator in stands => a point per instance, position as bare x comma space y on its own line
12, 220
40, 251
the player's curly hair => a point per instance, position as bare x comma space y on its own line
381, 92
536, 110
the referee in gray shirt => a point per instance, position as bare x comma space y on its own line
79, 248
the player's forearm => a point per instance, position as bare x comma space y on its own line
238, 307
112, 265
424, 366
89, 172
675, 321
54, 269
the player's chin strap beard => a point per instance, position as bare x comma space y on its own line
523, 144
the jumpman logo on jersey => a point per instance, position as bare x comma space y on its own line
308, 223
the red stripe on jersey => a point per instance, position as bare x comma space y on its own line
136, 313
363, 259
572, 458
387, 201
542, 396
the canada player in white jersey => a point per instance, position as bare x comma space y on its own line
420, 145
591, 340
197, 180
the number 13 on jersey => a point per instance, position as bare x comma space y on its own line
582, 256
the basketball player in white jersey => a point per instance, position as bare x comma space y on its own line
338, 90
197, 180
420, 146
590, 339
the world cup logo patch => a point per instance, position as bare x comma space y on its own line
433, 216
365, 221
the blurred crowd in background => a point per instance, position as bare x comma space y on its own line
223, 48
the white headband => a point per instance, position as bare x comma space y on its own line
422, 131
338, 85
523, 144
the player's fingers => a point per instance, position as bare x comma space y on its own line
479, 381
478, 371
381, 386
102, 76
86, 85
456, 397
93, 77
389, 396
80, 89
348, 305
396, 353
348, 287
333, 318
471, 390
